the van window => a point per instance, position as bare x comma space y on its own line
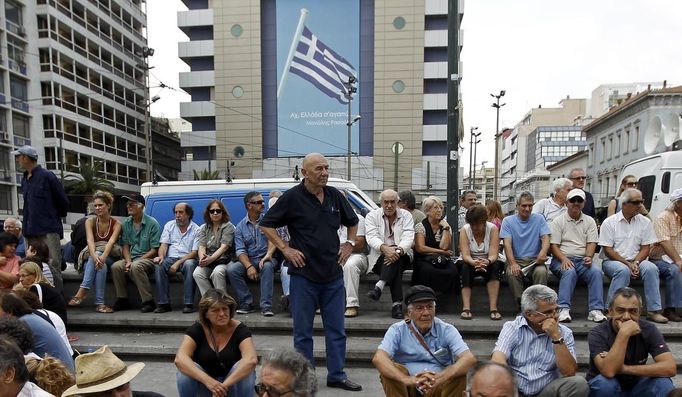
646, 186
665, 182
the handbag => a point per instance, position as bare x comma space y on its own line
440, 261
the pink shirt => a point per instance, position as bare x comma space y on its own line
10, 266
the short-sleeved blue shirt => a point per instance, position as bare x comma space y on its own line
443, 339
525, 235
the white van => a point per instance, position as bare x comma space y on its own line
658, 175
161, 197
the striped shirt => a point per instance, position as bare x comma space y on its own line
531, 355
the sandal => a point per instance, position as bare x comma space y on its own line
75, 301
495, 315
104, 309
466, 314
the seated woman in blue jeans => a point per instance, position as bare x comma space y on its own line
216, 356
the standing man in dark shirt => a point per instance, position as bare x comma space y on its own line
313, 212
45, 202
578, 177
619, 349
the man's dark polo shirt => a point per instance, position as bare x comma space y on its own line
649, 341
313, 228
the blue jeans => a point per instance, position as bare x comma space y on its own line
285, 278
161, 278
92, 275
646, 387
620, 277
670, 272
190, 387
304, 299
236, 272
568, 278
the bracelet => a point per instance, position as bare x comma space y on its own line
250, 266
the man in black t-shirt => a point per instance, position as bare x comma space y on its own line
313, 212
619, 349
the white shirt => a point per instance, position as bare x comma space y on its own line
32, 390
343, 231
549, 209
626, 237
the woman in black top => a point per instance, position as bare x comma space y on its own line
31, 278
216, 356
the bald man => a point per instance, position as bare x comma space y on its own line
313, 212
491, 379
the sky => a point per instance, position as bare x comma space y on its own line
538, 51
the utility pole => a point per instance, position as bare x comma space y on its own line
497, 107
350, 90
471, 152
453, 118
476, 142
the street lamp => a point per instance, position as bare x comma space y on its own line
351, 89
497, 107
485, 181
471, 152
146, 53
476, 142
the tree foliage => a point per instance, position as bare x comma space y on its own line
88, 180
205, 175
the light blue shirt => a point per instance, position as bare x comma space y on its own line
525, 235
531, 355
403, 347
250, 240
179, 243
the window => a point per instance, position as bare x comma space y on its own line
609, 149
626, 145
13, 13
602, 155
20, 125
635, 140
617, 147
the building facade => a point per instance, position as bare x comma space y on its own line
402, 94
643, 124
73, 79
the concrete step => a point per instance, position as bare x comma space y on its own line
359, 349
449, 303
368, 324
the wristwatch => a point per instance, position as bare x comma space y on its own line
399, 251
351, 242
559, 341
446, 228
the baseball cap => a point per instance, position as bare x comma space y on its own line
135, 197
26, 150
576, 193
418, 293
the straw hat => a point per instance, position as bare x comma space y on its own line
100, 371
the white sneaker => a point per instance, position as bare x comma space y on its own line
564, 315
597, 316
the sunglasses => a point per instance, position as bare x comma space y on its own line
635, 202
576, 200
272, 392
259, 202
215, 211
631, 183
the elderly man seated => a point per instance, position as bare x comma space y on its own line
666, 254
417, 355
626, 239
540, 350
619, 350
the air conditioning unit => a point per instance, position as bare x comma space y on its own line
4, 136
22, 31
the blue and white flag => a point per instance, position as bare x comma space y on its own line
321, 66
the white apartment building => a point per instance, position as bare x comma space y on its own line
402, 93
73, 77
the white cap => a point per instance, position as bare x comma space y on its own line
676, 195
576, 193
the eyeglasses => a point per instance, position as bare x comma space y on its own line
549, 313
259, 202
578, 178
575, 200
215, 211
272, 392
635, 202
